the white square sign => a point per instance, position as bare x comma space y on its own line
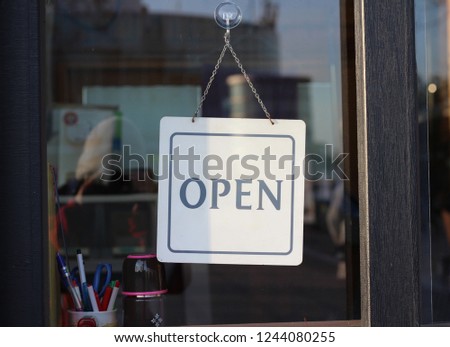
231, 191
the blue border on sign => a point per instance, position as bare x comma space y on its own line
230, 252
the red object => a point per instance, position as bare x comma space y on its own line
87, 322
105, 301
97, 299
70, 118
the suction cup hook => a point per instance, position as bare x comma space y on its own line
228, 15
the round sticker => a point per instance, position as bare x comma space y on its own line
70, 118
87, 322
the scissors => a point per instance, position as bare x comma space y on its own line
96, 284
74, 274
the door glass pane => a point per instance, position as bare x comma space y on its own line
433, 52
115, 68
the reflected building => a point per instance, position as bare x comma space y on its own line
124, 56
131, 45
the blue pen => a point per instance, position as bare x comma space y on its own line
67, 282
84, 290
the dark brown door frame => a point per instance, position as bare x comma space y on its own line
389, 170
23, 199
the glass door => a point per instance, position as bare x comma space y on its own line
115, 68
433, 34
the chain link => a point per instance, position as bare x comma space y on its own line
244, 73
211, 79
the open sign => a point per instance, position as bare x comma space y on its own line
233, 192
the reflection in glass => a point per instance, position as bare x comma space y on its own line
432, 30
116, 67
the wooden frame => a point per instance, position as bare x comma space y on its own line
388, 162
23, 212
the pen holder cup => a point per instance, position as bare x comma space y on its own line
92, 319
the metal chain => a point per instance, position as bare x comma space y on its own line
211, 79
241, 67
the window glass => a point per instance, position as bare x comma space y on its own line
432, 32
115, 68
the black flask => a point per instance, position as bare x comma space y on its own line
144, 286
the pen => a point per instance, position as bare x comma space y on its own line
97, 299
77, 290
67, 282
112, 301
80, 263
92, 298
83, 282
107, 296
